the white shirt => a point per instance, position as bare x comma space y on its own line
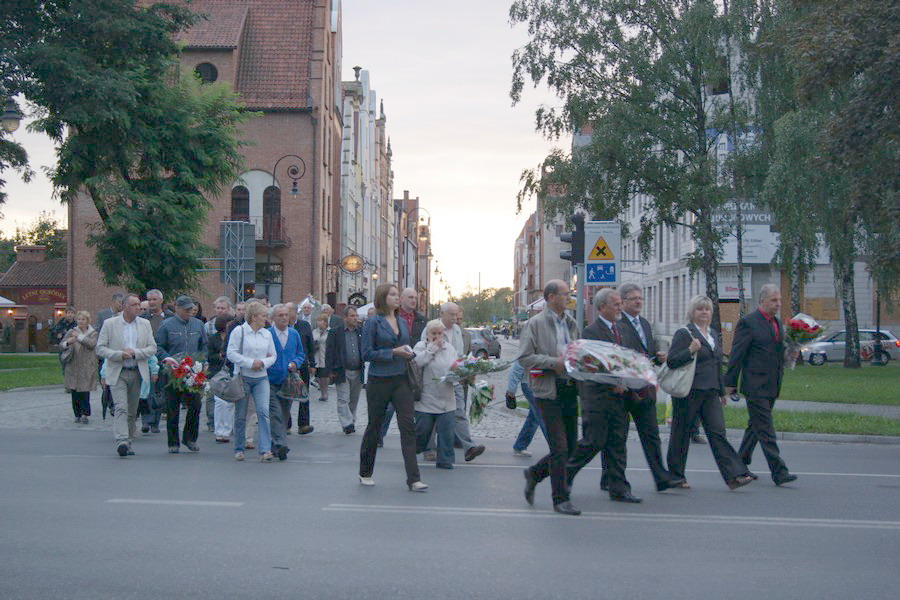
257, 346
129, 338
282, 336
709, 338
562, 334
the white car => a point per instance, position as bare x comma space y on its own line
831, 347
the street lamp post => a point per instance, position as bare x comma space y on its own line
12, 116
295, 171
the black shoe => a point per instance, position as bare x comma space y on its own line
122, 449
626, 497
192, 446
145, 429
530, 484
696, 439
752, 475
474, 452
740, 481
349, 429
154, 429
305, 429
670, 484
281, 452
566, 508
784, 479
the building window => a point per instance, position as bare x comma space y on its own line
272, 213
207, 71
240, 204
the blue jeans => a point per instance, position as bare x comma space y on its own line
532, 421
258, 388
445, 424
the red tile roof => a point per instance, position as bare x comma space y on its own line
275, 47
220, 27
49, 273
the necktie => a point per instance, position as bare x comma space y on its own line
640, 330
616, 333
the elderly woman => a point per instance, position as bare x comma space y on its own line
252, 351
320, 342
80, 371
436, 410
385, 345
698, 341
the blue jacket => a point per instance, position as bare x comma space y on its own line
378, 343
292, 353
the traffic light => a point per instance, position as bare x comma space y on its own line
576, 239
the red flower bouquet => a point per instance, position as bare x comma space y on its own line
800, 330
187, 376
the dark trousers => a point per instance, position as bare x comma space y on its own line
193, 404
561, 420
81, 404
642, 408
279, 413
380, 391
604, 428
706, 405
761, 429
302, 414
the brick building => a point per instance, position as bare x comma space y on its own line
283, 57
36, 289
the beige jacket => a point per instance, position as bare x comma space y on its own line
80, 373
112, 342
537, 350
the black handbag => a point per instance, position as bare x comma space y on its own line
414, 375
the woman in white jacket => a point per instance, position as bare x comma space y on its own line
436, 409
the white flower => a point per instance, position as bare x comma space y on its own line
198, 366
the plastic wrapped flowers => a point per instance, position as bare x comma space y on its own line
603, 362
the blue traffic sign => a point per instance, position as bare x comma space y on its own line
600, 273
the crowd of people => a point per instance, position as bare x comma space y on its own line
401, 358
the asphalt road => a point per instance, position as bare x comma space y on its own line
79, 522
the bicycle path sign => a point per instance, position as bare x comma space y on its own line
602, 252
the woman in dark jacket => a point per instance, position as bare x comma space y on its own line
385, 346
705, 398
223, 412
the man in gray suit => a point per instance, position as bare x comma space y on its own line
126, 342
107, 313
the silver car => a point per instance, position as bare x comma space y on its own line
831, 347
484, 343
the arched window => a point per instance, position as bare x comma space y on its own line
272, 213
207, 71
240, 204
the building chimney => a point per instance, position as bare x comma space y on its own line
34, 254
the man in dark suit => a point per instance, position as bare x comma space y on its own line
757, 356
641, 405
107, 313
604, 427
343, 360
306, 340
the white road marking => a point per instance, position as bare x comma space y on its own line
611, 516
175, 502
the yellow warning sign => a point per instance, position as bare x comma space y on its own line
601, 251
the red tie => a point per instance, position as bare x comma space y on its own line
616, 333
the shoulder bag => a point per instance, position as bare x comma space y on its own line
227, 386
416, 382
677, 382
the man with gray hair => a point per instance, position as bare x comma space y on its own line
757, 357
604, 424
151, 408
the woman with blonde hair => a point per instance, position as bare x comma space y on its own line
251, 350
80, 369
698, 342
385, 345
436, 410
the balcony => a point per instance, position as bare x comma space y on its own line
270, 230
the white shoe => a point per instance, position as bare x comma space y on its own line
521, 453
366, 481
418, 486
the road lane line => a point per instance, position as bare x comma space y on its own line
175, 502
611, 516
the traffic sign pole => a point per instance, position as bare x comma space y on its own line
579, 300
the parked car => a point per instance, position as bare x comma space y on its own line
831, 347
484, 343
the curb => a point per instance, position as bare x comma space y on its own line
791, 436
37, 388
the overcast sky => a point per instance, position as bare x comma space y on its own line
443, 70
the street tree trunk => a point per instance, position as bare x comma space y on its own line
797, 277
843, 275
709, 265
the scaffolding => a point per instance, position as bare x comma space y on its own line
237, 257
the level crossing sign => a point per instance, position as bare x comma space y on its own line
602, 252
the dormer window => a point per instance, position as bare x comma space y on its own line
207, 71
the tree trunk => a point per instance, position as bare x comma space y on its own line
797, 278
843, 275
710, 265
